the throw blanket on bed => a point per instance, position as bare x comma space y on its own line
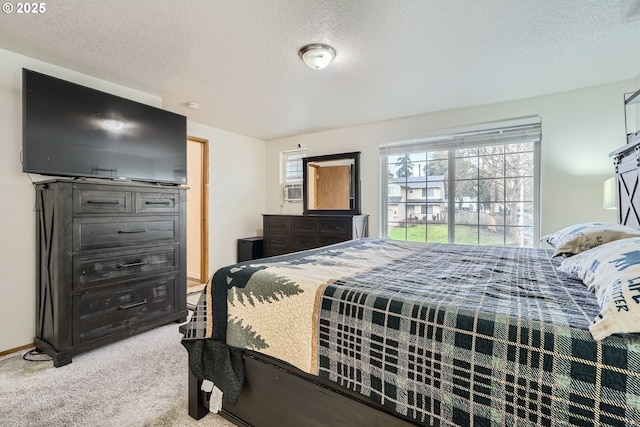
440, 334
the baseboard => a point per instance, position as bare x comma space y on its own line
13, 350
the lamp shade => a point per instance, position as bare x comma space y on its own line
609, 194
317, 56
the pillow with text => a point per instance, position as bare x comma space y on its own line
581, 237
612, 272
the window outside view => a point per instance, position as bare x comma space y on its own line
480, 196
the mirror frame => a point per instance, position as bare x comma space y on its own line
355, 177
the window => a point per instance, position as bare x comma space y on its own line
291, 174
292, 166
478, 188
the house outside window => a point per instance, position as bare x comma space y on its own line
479, 187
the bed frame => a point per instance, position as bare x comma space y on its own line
277, 394
626, 160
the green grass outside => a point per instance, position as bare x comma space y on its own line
438, 233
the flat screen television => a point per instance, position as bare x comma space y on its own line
71, 130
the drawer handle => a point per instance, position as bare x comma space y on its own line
131, 231
103, 202
133, 264
157, 203
135, 304
277, 241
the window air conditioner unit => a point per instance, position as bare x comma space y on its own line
293, 192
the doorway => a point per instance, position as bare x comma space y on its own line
197, 212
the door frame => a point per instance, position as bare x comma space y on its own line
204, 203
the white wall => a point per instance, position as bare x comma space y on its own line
236, 199
579, 130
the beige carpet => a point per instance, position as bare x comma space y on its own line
140, 381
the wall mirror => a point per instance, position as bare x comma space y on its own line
331, 184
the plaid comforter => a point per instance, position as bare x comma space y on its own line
440, 334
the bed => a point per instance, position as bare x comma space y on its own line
385, 333
417, 334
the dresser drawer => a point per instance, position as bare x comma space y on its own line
97, 314
112, 232
304, 241
157, 202
303, 226
102, 202
107, 267
339, 229
277, 225
277, 242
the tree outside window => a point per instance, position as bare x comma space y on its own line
479, 194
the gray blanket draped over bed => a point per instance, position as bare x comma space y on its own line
440, 334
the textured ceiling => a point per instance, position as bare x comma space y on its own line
238, 58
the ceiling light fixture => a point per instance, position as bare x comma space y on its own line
316, 55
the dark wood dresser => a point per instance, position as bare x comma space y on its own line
291, 233
111, 263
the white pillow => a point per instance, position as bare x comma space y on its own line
581, 237
612, 271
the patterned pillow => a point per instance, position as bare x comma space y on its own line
581, 237
612, 271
